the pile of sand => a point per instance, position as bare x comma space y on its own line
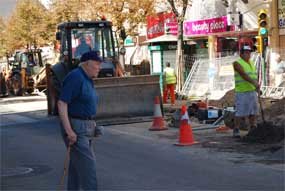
228, 100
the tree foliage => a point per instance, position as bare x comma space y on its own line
120, 12
2, 37
31, 23
27, 25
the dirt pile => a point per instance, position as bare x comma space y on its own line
273, 108
228, 100
265, 133
272, 130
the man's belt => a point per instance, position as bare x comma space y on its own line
83, 118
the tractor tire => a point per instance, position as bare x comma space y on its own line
30, 91
16, 85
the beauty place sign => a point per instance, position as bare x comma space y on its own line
202, 27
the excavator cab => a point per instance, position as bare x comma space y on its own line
75, 39
115, 90
79, 37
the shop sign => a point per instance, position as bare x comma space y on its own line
129, 41
156, 24
154, 47
169, 47
281, 13
171, 28
214, 25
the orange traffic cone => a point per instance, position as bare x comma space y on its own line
186, 137
158, 121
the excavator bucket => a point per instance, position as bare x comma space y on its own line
126, 96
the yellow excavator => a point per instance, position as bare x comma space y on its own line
24, 68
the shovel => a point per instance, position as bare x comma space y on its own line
261, 108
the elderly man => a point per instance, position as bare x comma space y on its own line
77, 109
246, 86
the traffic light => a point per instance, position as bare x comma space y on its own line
262, 23
258, 43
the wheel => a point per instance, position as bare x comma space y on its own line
16, 84
31, 90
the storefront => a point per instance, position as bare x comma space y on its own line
162, 52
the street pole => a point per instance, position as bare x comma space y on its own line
274, 40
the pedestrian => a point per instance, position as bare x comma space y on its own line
246, 87
279, 71
169, 83
77, 109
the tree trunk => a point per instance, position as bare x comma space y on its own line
179, 57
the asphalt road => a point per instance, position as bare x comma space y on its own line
129, 157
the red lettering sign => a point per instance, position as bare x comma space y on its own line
156, 25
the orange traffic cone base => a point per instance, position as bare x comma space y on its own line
186, 144
157, 129
158, 121
158, 124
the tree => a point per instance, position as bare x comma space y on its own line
2, 37
32, 23
179, 7
27, 25
120, 12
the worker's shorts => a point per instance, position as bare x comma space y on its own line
246, 104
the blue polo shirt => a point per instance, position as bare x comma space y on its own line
79, 93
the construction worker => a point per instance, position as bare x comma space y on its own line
82, 48
246, 87
169, 83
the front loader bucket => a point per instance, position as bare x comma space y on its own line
126, 96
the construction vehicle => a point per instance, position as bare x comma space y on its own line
118, 96
23, 68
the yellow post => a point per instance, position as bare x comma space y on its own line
274, 40
259, 44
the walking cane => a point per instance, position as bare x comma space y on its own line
66, 160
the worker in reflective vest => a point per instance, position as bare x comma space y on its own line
246, 87
169, 83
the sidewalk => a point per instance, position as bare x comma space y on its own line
21, 99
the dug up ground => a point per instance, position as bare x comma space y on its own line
267, 140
